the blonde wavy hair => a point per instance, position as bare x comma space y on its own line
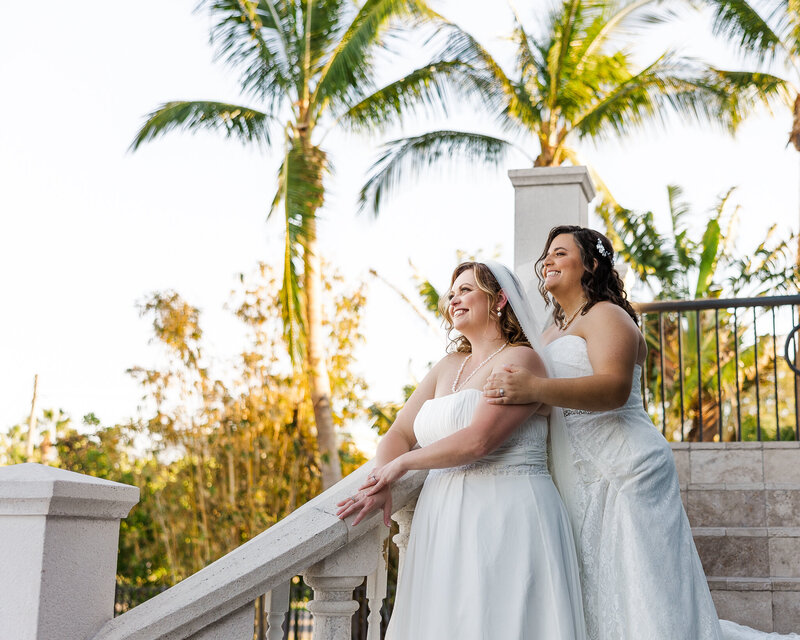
508, 323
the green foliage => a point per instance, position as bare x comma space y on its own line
676, 264
312, 67
575, 79
225, 449
383, 414
699, 260
765, 32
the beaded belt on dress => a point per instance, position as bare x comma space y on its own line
576, 412
489, 469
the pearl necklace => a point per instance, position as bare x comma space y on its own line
456, 387
572, 317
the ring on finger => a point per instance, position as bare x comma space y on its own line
502, 392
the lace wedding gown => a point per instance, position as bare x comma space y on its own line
490, 554
640, 573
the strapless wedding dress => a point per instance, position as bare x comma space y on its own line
640, 573
490, 554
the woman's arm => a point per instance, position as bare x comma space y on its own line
489, 428
398, 440
612, 344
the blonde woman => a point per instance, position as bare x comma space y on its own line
490, 553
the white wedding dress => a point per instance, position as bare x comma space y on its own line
640, 573
490, 554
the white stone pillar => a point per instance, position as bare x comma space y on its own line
58, 551
543, 198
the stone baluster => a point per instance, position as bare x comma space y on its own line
403, 518
276, 605
333, 580
376, 592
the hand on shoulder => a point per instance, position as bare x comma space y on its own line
523, 357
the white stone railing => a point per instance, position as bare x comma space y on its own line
71, 518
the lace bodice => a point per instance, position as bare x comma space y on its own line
569, 359
525, 451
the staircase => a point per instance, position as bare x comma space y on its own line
743, 502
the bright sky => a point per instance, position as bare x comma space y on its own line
87, 229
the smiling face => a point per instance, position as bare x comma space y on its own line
468, 306
562, 267
477, 308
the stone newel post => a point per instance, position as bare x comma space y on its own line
58, 551
543, 198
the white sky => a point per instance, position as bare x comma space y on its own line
87, 229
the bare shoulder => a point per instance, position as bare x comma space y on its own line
606, 316
522, 356
451, 362
451, 359
612, 337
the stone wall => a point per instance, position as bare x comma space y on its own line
743, 501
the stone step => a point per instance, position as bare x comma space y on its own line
743, 505
703, 462
767, 604
760, 552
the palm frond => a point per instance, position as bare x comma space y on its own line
709, 257
249, 35
683, 246
740, 20
408, 157
624, 21
349, 69
248, 125
530, 59
637, 241
679, 86
301, 191
460, 46
427, 87
329, 20
678, 208
566, 38
734, 95
771, 267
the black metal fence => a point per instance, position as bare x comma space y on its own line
723, 369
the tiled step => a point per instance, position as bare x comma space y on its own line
761, 552
743, 505
767, 604
737, 462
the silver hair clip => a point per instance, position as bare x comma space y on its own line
601, 249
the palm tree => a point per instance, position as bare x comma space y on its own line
575, 81
311, 64
767, 32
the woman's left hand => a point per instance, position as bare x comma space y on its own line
511, 385
384, 476
362, 505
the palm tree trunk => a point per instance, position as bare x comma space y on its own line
32, 421
319, 382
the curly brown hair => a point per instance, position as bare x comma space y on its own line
508, 323
600, 280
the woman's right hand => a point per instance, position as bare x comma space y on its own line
511, 384
364, 504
